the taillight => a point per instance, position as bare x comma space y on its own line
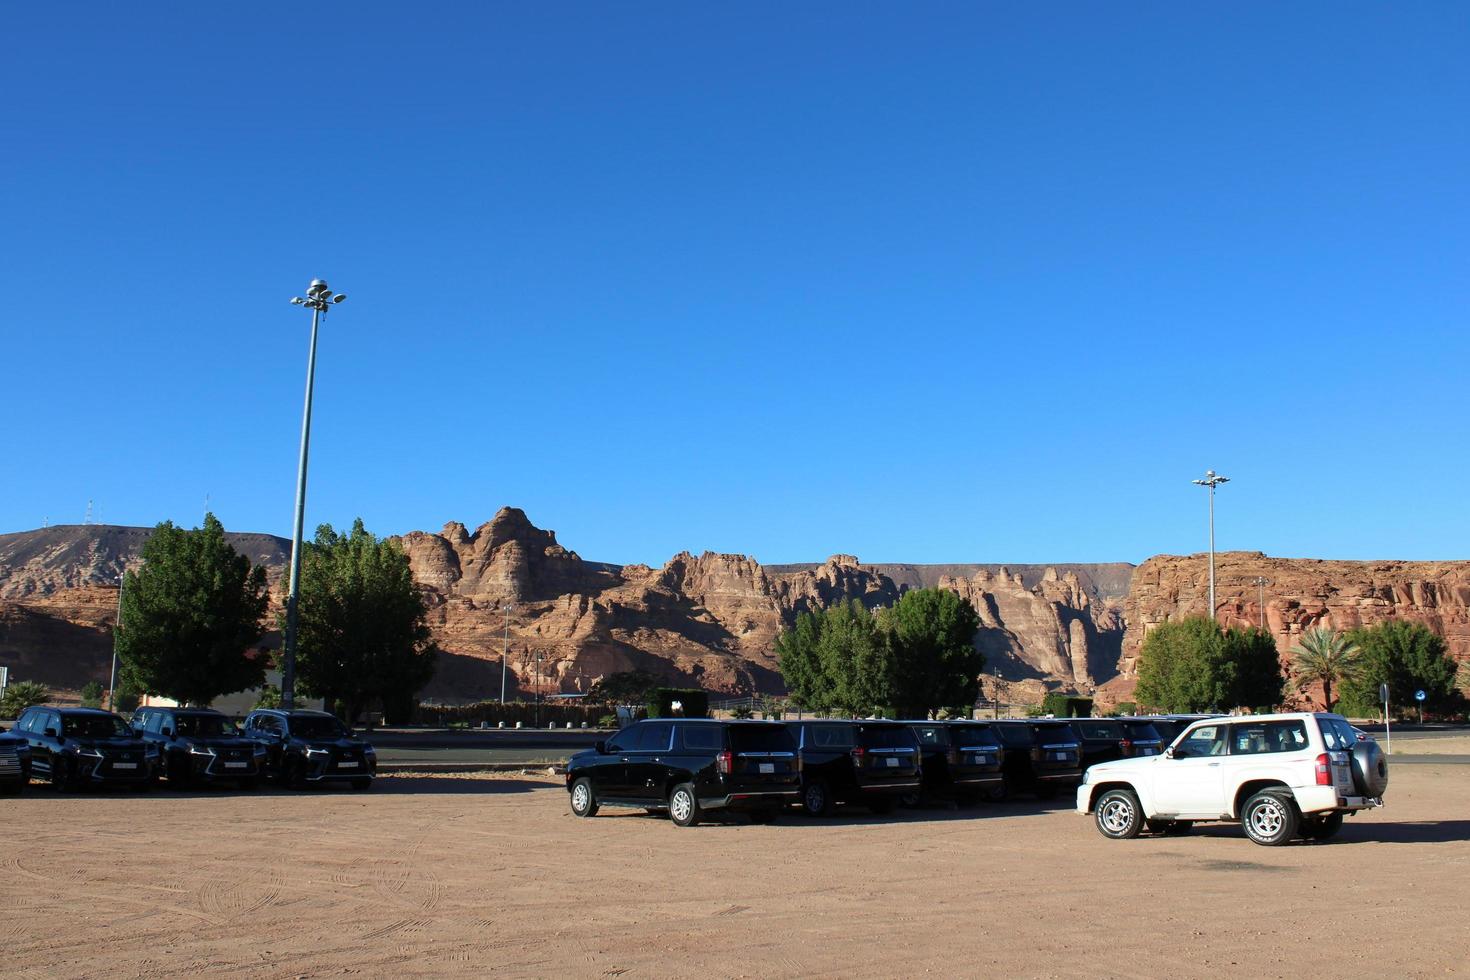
1127, 746
1324, 770
724, 761
857, 756
1036, 753
954, 756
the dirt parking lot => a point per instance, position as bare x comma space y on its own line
438, 876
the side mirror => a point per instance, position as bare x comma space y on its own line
50, 732
1169, 752
601, 748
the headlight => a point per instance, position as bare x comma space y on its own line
92, 753
150, 751
259, 750
1087, 777
196, 750
318, 751
369, 750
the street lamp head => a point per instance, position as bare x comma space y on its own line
317, 286
297, 301
339, 297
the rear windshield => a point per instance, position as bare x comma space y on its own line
966, 736
887, 737
1014, 734
829, 736
1054, 735
1142, 731
1098, 729
761, 738
932, 736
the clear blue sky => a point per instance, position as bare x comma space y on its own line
918, 282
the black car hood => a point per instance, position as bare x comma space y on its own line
109, 744
332, 743
218, 743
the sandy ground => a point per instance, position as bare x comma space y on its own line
443, 876
1411, 745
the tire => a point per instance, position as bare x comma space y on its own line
684, 806
998, 794
816, 799
362, 785
1118, 815
61, 779
1270, 818
584, 800
176, 772
1322, 828
294, 774
1370, 769
910, 800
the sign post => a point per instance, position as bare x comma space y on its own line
1419, 696
1387, 724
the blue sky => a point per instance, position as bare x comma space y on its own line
918, 282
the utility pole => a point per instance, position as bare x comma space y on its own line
112, 684
1261, 583
1212, 480
507, 608
318, 298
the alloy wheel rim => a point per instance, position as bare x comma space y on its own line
579, 796
814, 798
1117, 814
1267, 818
680, 806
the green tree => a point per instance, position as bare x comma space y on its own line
269, 697
1182, 666
1253, 672
21, 695
125, 698
1408, 657
1327, 657
931, 633
835, 660
361, 630
190, 616
92, 694
624, 687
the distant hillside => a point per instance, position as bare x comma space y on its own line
1100, 580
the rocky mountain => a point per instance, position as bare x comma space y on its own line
705, 620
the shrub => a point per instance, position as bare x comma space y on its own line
1034, 711
92, 694
22, 695
607, 721
742, 712
270, 697
1066, 705
1127, 707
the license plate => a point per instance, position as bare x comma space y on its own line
235, 765
124, 765
980, 760
345, 764
1059, 757
768, 767
891, 762
1145, 751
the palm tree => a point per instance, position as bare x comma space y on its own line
1326, 656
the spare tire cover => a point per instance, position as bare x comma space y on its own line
1370, 768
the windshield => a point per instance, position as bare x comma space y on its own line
761, 738
1055, 735
95, 726
317, 728
204, 726
1142, 731
1097, 729
887, 737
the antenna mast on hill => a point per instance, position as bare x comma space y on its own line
88, 518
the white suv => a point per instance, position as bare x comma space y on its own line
1279, 775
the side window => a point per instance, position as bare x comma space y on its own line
1271, 736
625, 740
703, 737
831, 736
154, 724
655, 737
24, 725
1202, 741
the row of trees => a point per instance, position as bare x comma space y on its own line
194, 612
915, 658
1193, 665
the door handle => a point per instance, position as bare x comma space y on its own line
626, 759
1211, 765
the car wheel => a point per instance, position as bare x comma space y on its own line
296, 773
584, 801
61, 779
362, 784
176, 771
1270, 817
684, 806
1118, 814
1322, 828
909, 799
998, 794
816, 801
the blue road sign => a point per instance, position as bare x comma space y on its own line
1418, 695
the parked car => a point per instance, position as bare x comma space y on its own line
689, 767
869, 763
306, 747
961, 760
1041, 756
84, 747
1279, 776
15, 763
1107, 739
1169, 727
200, 745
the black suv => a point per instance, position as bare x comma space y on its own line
688, 766
871, 763
1041, 756
962, 760
303, 747
77, 747
200, 745
1110, 739
15, 763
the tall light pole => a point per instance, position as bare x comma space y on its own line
318, 298
538, 688
507, 608
1261, 583
1212, 480
112, 684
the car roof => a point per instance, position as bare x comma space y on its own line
75, 712
294, 712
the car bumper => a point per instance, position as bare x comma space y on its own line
751, 798
1084, 798
1326, 799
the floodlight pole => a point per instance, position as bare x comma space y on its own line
505, 648
1212, 480
318, 298
1261, 583
112, 684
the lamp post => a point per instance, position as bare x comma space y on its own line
1212, 480
507, 608
538, 688
318, 298
112, 684
1261, 583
